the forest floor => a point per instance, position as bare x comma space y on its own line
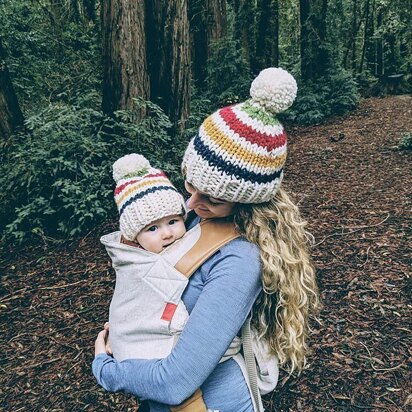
354, 187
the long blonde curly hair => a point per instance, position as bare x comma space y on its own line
290, 294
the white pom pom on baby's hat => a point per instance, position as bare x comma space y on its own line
274, 89
128, 165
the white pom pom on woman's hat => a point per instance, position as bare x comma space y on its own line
274, 89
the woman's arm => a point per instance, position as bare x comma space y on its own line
231, 287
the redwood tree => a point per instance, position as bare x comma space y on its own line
267, 45
125, 74
10, 113
313, 47
169, 57
208, 24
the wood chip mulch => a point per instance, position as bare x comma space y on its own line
353, 185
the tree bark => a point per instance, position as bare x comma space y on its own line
169, 57
208, 24
245, 30
365, 35
380, 67
89, 9
125, 74
74, 13
267, 45
313, 47
10, 113
355, 30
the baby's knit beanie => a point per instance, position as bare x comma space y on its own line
239, 151
143, 194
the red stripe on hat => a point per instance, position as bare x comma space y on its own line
130, 182
247, 132
169, 311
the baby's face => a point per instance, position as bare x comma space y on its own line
161, 233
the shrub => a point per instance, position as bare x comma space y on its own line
406, 141
228, 78
334, 94
56, 178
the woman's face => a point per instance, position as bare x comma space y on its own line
206, 206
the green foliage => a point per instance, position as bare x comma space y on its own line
50, 58
406, 142
56, 178
334, 94
228, 77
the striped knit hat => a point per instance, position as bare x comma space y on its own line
143, 194
239, 151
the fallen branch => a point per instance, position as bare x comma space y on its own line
357, 229
379, 369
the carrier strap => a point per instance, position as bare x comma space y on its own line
194, 404
214, 234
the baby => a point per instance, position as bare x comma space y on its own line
146, 314
151, 210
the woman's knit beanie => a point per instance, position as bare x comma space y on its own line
239, 151
143, 194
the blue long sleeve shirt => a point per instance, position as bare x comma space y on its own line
219, 297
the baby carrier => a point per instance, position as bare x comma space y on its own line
147, 314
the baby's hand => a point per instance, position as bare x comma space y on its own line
101, 345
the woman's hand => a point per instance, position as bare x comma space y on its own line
101, 344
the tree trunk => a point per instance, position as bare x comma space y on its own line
125, 74
313, 47
380, 69
355, 30
169, 57
208, 22
267, 45
74, 13
365, 35
89, 9
245, 30
10, 113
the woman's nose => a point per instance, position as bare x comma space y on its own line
193, 200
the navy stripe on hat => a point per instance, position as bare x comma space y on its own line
144, 193
230, 169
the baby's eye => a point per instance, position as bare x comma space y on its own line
172, 221
151, 228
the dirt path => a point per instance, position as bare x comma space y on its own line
355, 193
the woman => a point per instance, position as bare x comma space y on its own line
233, 169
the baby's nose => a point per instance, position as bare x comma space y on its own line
167, 233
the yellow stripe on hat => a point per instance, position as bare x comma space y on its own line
136, 186
236, 150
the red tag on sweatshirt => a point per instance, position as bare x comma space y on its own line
169, 311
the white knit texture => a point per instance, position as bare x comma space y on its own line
218, 184
129, 164
274, 89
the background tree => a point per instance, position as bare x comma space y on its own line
125, 74
168, 42
10, 113
245, 29
208, 24
267, 44
63, 78
313, 47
